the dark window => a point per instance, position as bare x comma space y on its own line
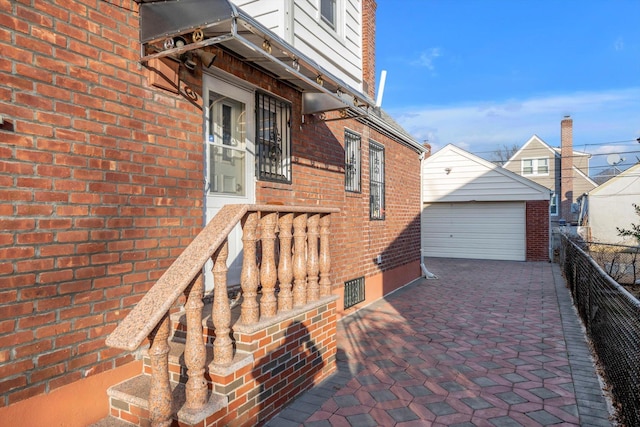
553, 204
273, 134
352, 142
353, 292
376, 181
328, 12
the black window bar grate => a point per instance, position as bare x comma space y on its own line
353, 292
273, 135
352, 142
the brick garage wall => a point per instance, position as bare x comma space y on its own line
100, 187
537, 217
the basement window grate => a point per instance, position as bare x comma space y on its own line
353, 292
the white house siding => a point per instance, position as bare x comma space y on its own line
470, 178
270, 13
611, 206
338, 51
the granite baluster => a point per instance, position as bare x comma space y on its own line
249, 310
285, 270
194, 352
300, 260
221, 310
313, 292
160, 399
325, 256
268, 273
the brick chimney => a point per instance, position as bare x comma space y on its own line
566, 169
369, 47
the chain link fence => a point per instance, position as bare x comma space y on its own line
611, 316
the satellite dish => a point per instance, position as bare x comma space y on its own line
613, 159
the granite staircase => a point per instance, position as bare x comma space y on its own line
210, 361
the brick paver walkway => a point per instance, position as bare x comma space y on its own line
490, 343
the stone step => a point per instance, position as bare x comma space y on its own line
129, 401
111, 422
218, 376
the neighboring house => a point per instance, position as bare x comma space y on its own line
126, 127
606, 174
473, 208
562, 170
610, 206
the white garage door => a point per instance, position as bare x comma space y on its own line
488, 230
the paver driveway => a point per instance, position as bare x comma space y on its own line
489, 343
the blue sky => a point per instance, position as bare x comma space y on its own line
482, 74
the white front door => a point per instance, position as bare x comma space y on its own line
229, 141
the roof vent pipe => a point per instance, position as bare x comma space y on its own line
383, 78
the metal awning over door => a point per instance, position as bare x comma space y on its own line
202, 23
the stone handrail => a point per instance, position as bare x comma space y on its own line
302, 272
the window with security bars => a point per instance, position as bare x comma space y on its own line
376, 181
352, 143
353, 292
273, 134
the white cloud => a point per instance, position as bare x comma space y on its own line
599, 118
427, 57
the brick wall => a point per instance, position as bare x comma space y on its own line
369, 46
100, 187
318, 177
290, 356
537, 234
566, 169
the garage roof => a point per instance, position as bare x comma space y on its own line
455, 175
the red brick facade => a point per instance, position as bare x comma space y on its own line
298, 353
101, 188
537, 226
369, 46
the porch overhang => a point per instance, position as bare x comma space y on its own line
201, 23
219, 22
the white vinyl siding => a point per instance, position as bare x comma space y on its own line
453, 175
271, 14
487, 230
337, 49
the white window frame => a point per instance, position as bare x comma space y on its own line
336, 26
536, 164
553, 204
333, 23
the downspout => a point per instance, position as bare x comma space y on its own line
426, 273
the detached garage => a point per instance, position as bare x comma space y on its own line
475, 209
